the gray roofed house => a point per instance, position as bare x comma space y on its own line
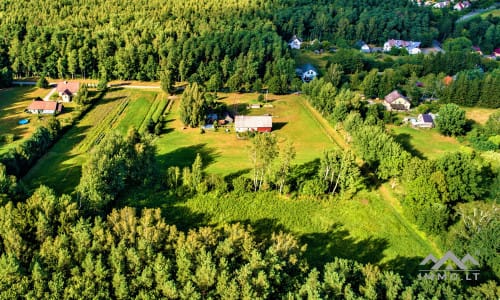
396, 101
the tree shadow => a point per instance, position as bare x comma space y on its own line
185, 156
406, 266
230, 177
337, 242
404, 139
264, 228
180, 216
303, 172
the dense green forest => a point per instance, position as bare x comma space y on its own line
50, 250
230, 42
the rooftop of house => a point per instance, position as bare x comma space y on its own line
253, 121
68, 87
45, 105
393, 96
427, 118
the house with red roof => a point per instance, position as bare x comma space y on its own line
67, 90
496, 52
45, 107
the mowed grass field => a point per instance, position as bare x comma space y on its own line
223, 153
60, 169
478, 114
425, 143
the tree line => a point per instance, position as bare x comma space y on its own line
230, 43
49, 250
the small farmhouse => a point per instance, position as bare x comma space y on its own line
309, 72
496, 52
295, 42
397, 102
45, 107
366, 49
424, 121
67, 90
253, 123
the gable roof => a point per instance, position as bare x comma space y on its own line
45, 105
393, 96
427, 118
68, 88
294, 38
253, 121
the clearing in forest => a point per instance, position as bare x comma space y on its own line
224, 153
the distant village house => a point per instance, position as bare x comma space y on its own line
396, 102
67, 90
424, 121
309, 72
253, 123
295, 42
461, 5
411, 46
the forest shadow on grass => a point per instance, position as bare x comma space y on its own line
405, 140
264, 228
185, 156
170, 204
337, 242
406, 266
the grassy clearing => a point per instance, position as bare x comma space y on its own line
428, 143
224, 153
493, 13
309, 57
477, 114
13, 102
366, 228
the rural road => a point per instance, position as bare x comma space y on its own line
47, 98
476, 12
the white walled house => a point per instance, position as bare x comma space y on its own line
295, 43
67, 90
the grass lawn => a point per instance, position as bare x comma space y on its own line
479, 115
309, 57
428, 143
13, 102
224, 153
494, 13
366, 228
